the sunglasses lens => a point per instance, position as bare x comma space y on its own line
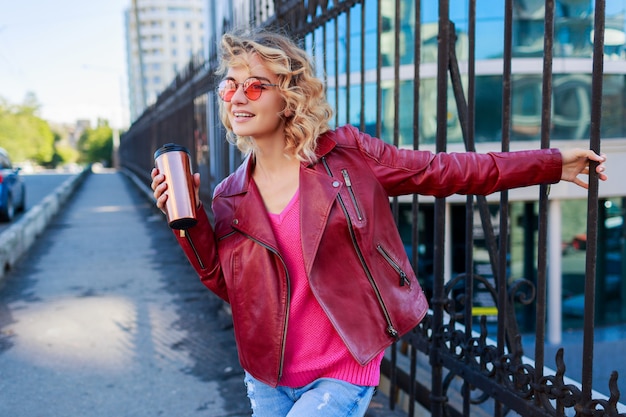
227, 89
252, 88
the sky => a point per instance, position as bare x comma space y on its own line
70, 54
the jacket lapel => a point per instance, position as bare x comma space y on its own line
318, 192
250, 216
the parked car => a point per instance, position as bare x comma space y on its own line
12, 189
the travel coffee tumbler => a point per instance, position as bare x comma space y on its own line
174, 162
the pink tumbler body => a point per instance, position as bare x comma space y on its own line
174, 162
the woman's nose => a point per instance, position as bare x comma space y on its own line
239, 96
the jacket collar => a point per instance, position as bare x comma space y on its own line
239, 181
325, 143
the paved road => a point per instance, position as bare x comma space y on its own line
104, 317
38, 186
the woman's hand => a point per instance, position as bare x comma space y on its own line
576, 162
159, 189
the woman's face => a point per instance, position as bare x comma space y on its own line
257, 118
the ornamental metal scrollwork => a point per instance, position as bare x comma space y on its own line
606, 407
518, 376
475, 355
552, 388
517, 292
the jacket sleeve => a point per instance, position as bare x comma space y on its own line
198, 243
405, 171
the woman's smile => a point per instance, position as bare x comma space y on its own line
242, 115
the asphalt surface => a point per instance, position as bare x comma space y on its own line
105, 317
38, 186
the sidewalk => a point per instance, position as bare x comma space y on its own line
105, 317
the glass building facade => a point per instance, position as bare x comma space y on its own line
573, 50
340, 59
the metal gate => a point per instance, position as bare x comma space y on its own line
488, 372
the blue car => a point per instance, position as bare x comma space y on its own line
12, 189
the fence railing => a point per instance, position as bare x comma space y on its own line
495, 377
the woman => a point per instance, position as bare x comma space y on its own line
304, 246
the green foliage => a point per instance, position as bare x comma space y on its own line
23, 134
96, 145
26, 136
66, 154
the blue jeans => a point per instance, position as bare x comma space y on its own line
324, 397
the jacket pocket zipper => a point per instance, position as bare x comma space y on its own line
404, 279
195, 251
287, 303
391, 330
348, 182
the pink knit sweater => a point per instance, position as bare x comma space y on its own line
313, 348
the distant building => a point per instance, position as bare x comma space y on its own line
161, 38
77, 130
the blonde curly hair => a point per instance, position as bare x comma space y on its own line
305, 100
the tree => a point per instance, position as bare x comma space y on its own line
96, 145
23, 134
66, 154
30, 104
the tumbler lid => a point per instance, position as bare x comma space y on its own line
170, 147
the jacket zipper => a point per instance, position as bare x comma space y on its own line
193, 248
284, 341
391, 330
403, 277
348, 182
226, 235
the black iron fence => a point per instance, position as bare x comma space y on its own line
450, 350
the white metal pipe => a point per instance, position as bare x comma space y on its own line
555, 277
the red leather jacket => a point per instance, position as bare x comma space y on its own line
354, 257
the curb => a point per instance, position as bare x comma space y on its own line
20, 236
